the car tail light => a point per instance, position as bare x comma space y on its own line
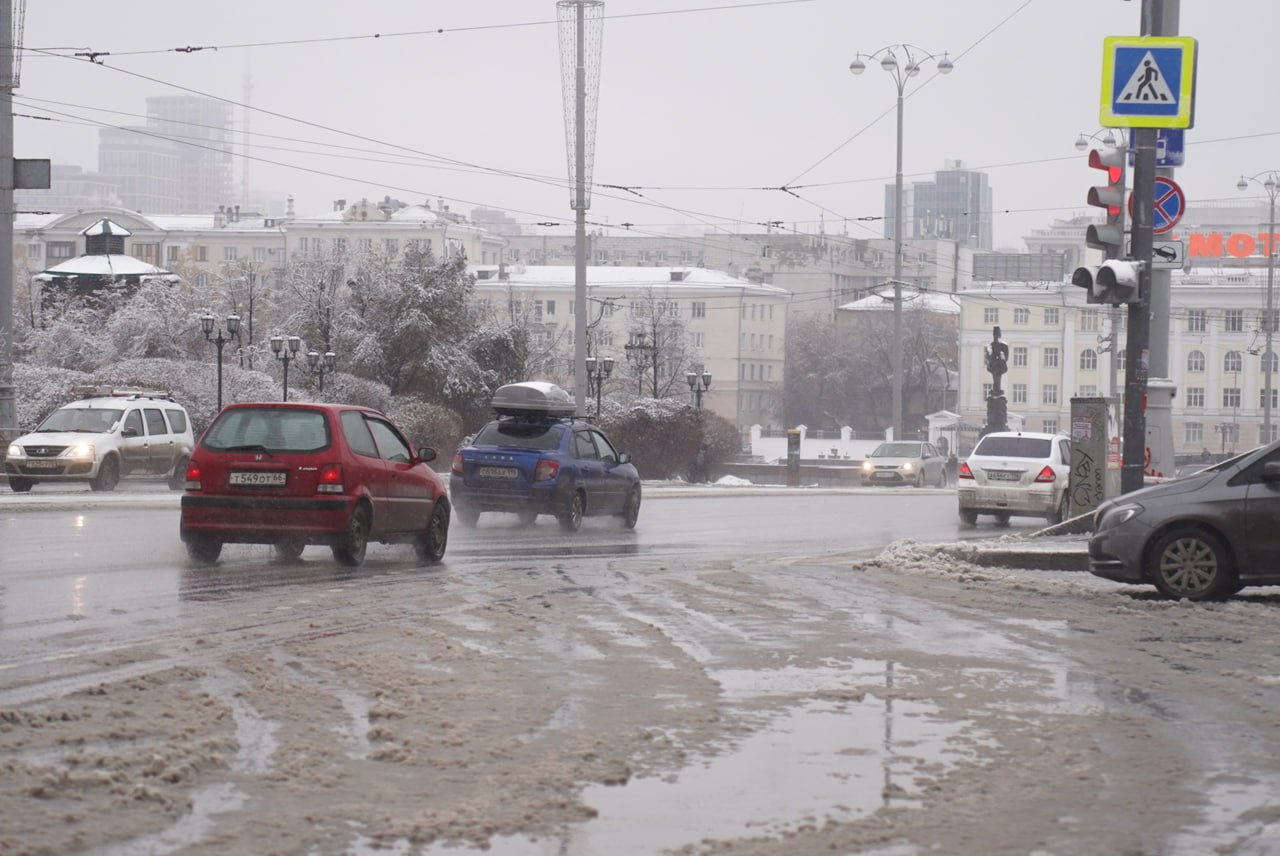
965, 472
456, 469
330, 479
546, 470
1047, 475
193, 478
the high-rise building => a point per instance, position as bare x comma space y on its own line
180, 162
956, 206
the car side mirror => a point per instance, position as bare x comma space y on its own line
129, 432
426, 454
624, 458
1271, 471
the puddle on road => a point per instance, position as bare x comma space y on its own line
821, 760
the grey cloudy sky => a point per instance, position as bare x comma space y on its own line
702, 102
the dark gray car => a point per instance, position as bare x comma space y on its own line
1201, 537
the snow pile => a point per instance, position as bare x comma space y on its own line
733, 481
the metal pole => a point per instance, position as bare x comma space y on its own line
8, 408
897, 277
218, 343
286, 377
1269, 322
580, 229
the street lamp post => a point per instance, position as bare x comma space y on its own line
286, 355
598, 372
901, 73
207, 323
698, 384
1271, 184
643, 355
321, 366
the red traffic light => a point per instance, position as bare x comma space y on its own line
1112, 162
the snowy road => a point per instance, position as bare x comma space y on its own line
737, 676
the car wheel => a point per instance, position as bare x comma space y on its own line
919, 482
1192, 564
289, 549
204, 550
178, 479
108, 474
1064, 509
1002, 518
528, 518
467, 515
631, 510
430, 544
17, 484
969, 517
350, 546
571, 517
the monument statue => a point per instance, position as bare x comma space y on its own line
998, 364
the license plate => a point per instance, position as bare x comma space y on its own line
42, 465
498, 472
886, 475
1002, 475
261, 479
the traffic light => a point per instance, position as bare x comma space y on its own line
1109, 236
1115, 282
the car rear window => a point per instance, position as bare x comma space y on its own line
276, 429
526, 435
1014, 447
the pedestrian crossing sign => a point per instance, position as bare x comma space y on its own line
1148, 82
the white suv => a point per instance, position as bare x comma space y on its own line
98, 440
1016, 473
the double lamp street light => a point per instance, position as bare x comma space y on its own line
1271, 184
598, 372
207, 323
698, 384
914, 58
288, 349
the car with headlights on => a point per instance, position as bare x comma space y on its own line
1204, 536
908, 462
98, 440
294, 474
1016, 473
537, 457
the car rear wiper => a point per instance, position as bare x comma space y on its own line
250, 447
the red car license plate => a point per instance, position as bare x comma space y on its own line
258, 479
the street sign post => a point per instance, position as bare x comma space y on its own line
1170, 205
1148, 82
1166, 255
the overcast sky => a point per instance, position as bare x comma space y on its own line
702, 102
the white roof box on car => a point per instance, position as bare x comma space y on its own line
533, 397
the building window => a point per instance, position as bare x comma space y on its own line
1275, 318
1195, 396
259, 254
229, 254
33, 250
1051, 316
1088, 390
59, 250
1089, 320
1232, 362
991, 315
1195, 361
1231, 396
1019, 393
1122, 357
698, 340
1051, 426
1088, 360
1051, 358
1196, 321
1263, 439
202, 254
1193, 432
1021, 315
171, 253
1272, 358
1049, 393
1233, 320
1020, 356
987, 388
1275, 398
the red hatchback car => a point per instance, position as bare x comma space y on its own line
290, 475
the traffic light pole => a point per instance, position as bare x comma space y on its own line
1137, 345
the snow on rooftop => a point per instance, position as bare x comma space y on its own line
930, 301
103, 265
565, 276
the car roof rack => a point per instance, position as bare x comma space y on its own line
108, 391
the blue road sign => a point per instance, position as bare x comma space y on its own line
1170, 149
1148, 82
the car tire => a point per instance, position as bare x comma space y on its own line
17, 484
289, 549
204, 550
430, 545
467, 515
631, 509
349, 547
108, 474
178, 478
571, 517
1189, 563
968, 517
1064, 510
1002, 518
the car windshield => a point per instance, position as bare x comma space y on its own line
526, 435
95, 420
897, 450
271, 429
992, 446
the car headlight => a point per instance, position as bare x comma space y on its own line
1109, 518
907, 467
867, 466
15, 451
79, 450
